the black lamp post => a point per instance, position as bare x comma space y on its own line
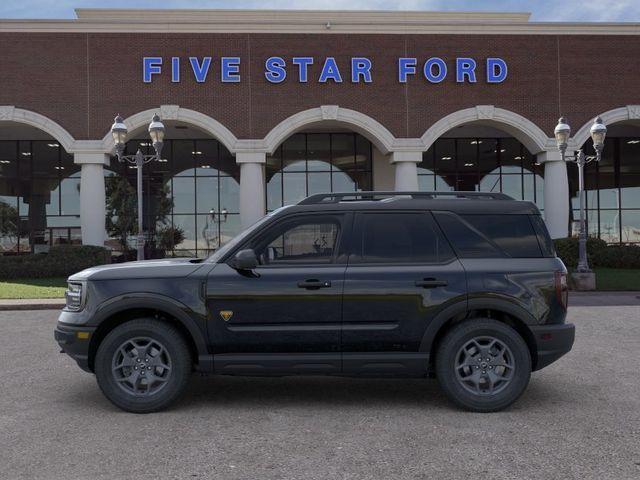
156, 132
598, 132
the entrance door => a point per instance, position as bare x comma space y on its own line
401, 273
290, 304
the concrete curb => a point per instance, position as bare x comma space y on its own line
32, 304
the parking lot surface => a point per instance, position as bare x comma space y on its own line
579, 418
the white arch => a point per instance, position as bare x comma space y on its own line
185, 115
382, 138
528, 133
621, 114
10, 113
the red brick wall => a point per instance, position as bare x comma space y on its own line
82, 80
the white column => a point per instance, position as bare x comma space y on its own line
406, 165
92, 197
556, 194
252, 190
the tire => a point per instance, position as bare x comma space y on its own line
133, 353
474, 383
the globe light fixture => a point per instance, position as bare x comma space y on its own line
119, 133
562, 133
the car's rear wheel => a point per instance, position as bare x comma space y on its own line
143, 365
483, 365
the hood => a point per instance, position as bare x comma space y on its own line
165, 268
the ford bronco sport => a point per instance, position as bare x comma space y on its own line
462, 286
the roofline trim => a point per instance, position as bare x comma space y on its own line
311, 21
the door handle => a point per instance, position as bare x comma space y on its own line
314, 284
431, 283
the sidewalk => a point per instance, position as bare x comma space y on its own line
576, 299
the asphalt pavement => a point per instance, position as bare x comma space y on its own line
579, 418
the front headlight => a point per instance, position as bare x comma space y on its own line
74, 296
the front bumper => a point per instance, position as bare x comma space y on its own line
74, 340
552, 342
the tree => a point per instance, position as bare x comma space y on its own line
122, 210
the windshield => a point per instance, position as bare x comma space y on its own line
238, 239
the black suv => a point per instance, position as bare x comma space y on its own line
462, 286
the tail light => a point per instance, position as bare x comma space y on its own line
562, 289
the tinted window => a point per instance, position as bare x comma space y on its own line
400, 238
546, 244
514, 234
468, 241
301, 241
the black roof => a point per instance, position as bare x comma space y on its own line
458, 202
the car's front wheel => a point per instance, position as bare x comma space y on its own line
143, 365
483, 365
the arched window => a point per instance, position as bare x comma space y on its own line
39, 196
193, 193
482, 164
308, 163
612, 189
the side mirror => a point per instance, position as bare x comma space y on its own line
245, 260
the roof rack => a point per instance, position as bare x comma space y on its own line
360, 196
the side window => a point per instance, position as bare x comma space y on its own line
400, 238
546, 244
468, 241
514, 234
300, 241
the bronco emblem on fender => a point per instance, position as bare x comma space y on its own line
226, 315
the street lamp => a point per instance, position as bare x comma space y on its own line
119, 133
598, 132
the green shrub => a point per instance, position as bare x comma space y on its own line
567, 249
61, 261
618, 256
599, 254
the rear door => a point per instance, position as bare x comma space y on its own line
401, 273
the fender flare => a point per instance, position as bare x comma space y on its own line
463, 307
163, 303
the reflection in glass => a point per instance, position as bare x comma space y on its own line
199, 178
308, 163
612, 190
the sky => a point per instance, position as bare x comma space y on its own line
542, 10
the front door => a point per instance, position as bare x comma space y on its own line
286, 314
401, 273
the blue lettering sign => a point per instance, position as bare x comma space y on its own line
230, 69
406, 66
275, 69
360, 67
150, 66
175, 69
496, 70
465, 67
200, 71
303, 66
330, 71
428, 70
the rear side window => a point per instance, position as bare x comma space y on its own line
466, 239
546, 244
400, 238
513, 234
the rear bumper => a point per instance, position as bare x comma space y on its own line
552, 342
74, 341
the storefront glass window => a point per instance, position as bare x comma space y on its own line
39, 196
308, 163
484, 165
612, 188
192, 195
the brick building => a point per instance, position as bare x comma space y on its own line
265, 107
